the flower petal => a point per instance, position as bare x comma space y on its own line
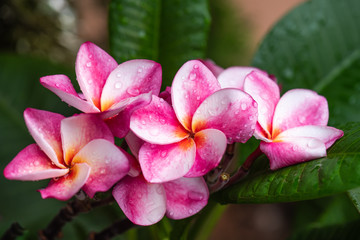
62, 87
299, 107
108, 165
161, 163
325, 134
79, 130
290, 151
143, 203
185, 197
32, 164
210, 147
231, 111
233, 77
93, 66
134, 143
67, 186
130, 79
215, 69
192, 84
120, 124
156, 123
44, 127
166, 95
267, 94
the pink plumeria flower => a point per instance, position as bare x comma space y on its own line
75, 153
189, 138
292, 128
113, 90
146, 203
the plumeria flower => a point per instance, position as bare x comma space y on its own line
189, 138
292, 128
75, 153
146, 203
113, 90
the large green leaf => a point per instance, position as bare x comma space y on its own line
167, 31
354, 195
317, 46
338, 172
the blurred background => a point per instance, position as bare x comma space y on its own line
54, 29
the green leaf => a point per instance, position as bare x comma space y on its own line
338, 172
317, 46
167, 31
335, 232
354, 195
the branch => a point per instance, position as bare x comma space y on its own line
67, 213
116, 228
14, 231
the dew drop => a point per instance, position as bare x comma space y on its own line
133, 91
117, 85
102, 171
88, 64
192, 76
223, 102
190, 211
198, 98
196, 66
302, 119
57, 85
195, 195
140, 70
243, 106
162, 100
36, 163
163, 153
154, 131
143, 122
118, 75
162, 121
255, 104
313, 143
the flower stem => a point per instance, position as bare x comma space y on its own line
14, 231
244, 168
67, 213
116, 228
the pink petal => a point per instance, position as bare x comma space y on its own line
290, 151
210, 147
108, 165
67, 186
215, 69
166, 95
44, 127
299, 107
79, 130
185, 197
192, 84
231, 111
325, 134
156, 123
62, 87
93, 66
32, 164
130, 79
120, 124
143, 203
234, 77
134, 143
267, 94
161, 163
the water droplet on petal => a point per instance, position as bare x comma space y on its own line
162, 121
313, 143
143, 122
196, 195
192, 76
243, 106
196, 66
255, 104
302, 119
140, 70
117, 85
154, 131
36, 163
163, 153
88, 64
118, 75
198, 98
90, 56
133, 91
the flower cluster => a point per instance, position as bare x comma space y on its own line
175, 137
